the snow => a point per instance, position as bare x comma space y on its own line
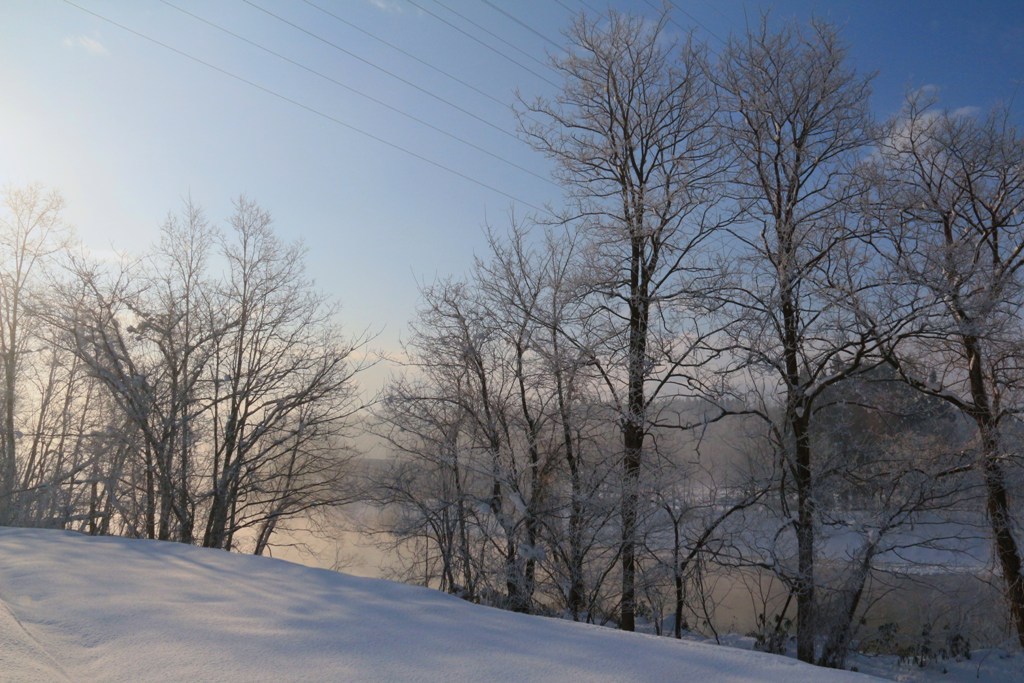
985, 666
78, 608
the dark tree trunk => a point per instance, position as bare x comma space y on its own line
150, 495
634, 421
804, 587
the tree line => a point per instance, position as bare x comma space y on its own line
766, 331
200, 393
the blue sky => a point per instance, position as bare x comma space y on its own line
125, 127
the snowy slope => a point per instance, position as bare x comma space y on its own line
75, 608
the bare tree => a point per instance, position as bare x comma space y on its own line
146, 332
281, 386
690, 528
66, 455
492, 445
447, 420
797, 119
124, 363
631, 138
539, 288
180, 315
426, 493
951, 191
233, 396
31, 230
887, 466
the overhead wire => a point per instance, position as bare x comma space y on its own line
401, 112
408, 54
698, 21
565, 7
479, 41
492, 34
382, 70
524, 25
672, 19
307, 108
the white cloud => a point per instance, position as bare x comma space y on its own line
90, 45
389, 6
963, 112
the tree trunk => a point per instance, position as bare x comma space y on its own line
997, 500
633, 441
1007, 549
634, 422
150, 495
837, 642
575, 597
9, 466
576, 522
805, 583
677, 571
266, 531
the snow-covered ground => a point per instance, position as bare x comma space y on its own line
75, 608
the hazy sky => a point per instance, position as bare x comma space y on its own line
127, 106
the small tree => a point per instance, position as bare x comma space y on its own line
31, 231
281, 385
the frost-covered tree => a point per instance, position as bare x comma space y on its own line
631, 137
950, 191
31, 231
796, 118
232, 392
281, 383
146, 332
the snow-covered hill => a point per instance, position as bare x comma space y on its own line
76, 608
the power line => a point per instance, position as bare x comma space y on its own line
692, 18
382, 69
493, 34
565, 7
714, 6
373, 99
474, 38
524, 25
407, 54
700, 23
308, 108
